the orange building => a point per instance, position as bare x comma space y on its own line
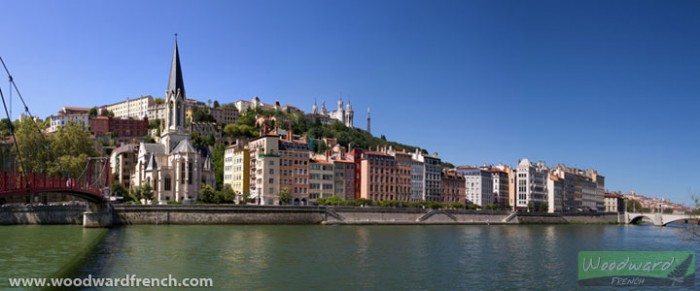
378, 171
294, 167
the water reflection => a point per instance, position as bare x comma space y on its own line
350, 257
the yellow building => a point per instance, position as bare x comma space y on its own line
237, 169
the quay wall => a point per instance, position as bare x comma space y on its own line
216, 214
378, 215
235, 214
20, 214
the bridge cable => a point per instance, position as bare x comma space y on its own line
26, 109
12, 131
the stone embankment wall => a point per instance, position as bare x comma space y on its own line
377, 215
568, 218
19, 214
216, 214
233, 214
598, 218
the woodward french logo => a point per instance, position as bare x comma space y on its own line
636, 269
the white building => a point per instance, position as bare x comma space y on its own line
501, 177
60, 120
555, 191
237, 168
417, 180
173, 167
531, 185
243, 105
478, 185
321, 182
131, 108
265, 170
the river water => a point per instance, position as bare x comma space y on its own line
313, 257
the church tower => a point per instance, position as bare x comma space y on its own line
349, 115
369, 129
174, 130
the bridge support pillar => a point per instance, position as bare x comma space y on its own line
98, 215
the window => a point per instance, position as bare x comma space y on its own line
189, 175
168, 183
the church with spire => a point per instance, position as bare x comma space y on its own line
173, 167
343, 115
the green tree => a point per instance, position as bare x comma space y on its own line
285, 196
33, 149
158, 101
206, 194
632, 205
142, 192
118, 189
71, 147
218, 162
147, 192
107, 113
6, 127
201, 115
154, 124
240, 130
224, 195
92, 113
245, 196
216, 104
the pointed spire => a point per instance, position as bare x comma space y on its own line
175, 82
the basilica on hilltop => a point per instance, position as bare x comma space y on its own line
344, 115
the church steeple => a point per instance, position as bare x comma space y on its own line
175, 96
174, 130
175, 82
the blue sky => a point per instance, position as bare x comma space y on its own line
610, 85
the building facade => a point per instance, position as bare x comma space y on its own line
321, 179
531, 185
344, 174
78, 115
432, 176
264, 170
123, 162
502, 175
294, 167
478, 185
417, 180
224, 115
614, 202
403, 175
453, 187
237, 169
131, 108
205, 129
377, 176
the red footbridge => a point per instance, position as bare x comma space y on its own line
19, 184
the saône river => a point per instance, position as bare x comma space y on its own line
321, 257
